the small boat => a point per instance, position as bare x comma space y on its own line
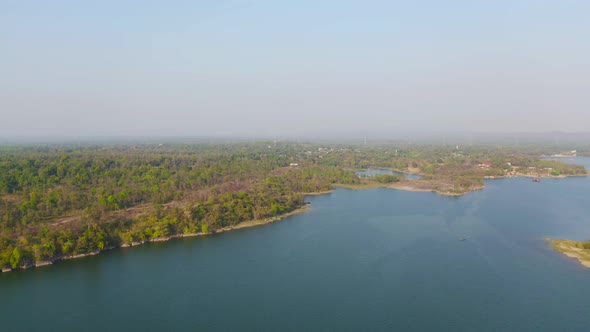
462, 239
536, 180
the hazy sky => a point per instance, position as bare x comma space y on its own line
292, 67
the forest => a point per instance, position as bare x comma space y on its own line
59, 201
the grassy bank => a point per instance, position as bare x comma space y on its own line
575, 249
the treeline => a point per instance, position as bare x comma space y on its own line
385, 178
58, 201
95, 233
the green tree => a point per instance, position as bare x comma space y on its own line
15, 258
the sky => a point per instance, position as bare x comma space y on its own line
291, 68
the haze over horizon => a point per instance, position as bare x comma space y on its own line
246, 68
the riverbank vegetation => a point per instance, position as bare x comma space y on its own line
63, 201
575, 249
60, 201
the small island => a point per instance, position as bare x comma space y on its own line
575, 249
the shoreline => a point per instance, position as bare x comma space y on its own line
242, 225
569, 251
404, 185
572, 249
532, 176
319, 193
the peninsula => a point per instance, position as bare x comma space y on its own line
575, 249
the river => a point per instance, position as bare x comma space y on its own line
365, 260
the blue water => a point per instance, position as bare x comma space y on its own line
371, 172
366, 260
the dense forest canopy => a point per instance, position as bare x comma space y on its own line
57, 201
64, 200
